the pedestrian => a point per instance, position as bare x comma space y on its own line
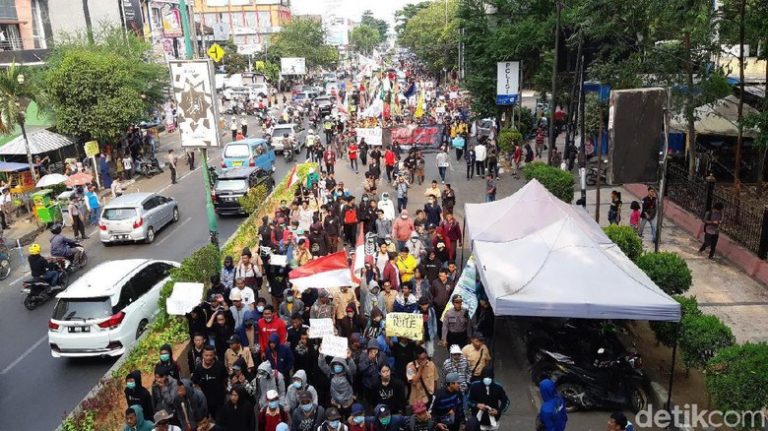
448, 406
614, 211
137, 394
106, 177
448, 197
390, 158
234, 127
618, 422
442, 163
134, 419
363, 148
487, 401
332, 421
244, 125
457, 363
517, 157
172, 159
78, 217
190, 405
552, 414
401, 189
457, 326
341, 372
458, 144
634, 216
490, 189
163, 391
190, 153
470, 158
272, 414
237, 412
712, 220
163, 421
481, 153
648, 213
93, 205
329, 158
352, 151
478, 355
127, 162
539, 142
422, 377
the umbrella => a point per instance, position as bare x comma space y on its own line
51, 180
79, 179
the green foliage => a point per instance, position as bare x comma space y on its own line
364, 39
592, 115
303, 37
380, 25
15, 97
404, 15
254, 198
524, 120
508, 138
627, 240
98, 90
232, 61
702, 336
434, 41
83, 422
667, 331
668, 270
737, 378
557, 181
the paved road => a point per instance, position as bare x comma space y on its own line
37, 390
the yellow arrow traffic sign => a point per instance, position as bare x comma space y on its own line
216, 52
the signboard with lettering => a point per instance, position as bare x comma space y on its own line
507, 82
424, 137
132, 17
408, 325
319, 328
193, 91
334, 346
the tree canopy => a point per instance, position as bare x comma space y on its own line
408, 11
364, 38
380, 25
433, 35
303, 37
97, 90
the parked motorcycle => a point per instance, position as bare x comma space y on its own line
578, 338
38, 291
592, 173
5, 259
605, 384
149, 167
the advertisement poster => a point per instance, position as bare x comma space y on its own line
293, 66
171, 22
132, 17
193, 91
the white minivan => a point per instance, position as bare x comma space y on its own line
104, 311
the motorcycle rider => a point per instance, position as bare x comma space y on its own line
287, 145
40, 267
62, 246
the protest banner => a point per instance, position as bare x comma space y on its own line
184, 298
409, 325
422, 137
319, 328
334, 346
467, 288
371, 135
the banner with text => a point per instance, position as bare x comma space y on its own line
193, 92
372, 136
422, 137
319, 328
408, 325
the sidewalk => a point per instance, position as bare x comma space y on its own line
720, 286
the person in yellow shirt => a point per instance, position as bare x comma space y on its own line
406, 264
477, 355
345, 296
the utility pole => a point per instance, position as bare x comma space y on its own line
213, 229
554, 86
582, 133
663, 180
739, 122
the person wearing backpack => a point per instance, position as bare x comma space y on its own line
350, 218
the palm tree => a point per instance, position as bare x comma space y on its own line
15, 96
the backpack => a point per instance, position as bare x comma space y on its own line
350, 216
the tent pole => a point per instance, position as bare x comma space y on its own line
672, 370
463, 235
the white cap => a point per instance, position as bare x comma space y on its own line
455, 349
272, 395
235, 295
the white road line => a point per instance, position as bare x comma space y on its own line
19, 279
168, 235
25, 354
178, 180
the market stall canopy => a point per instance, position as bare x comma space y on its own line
51, 180
40, 141
561, 271
79, 179
719, 118
13, 167
524, 212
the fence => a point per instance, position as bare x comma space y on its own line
744, 222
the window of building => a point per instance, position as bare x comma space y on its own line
38, 31
8, 9
10, 38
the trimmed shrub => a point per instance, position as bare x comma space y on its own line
702, 337
508, 138
665, 331
668, 270
557, 181
737, 380
627, 240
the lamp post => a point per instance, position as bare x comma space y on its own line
213, 229
20, 78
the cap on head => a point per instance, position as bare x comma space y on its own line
452, 378
272, 395
455, 349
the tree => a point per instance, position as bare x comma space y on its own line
380, 25
232, 61
408, 11
15, 95
556, 180
303, 37
364, 38
97, 90
434, 41
736, 378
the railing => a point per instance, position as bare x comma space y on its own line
744, 222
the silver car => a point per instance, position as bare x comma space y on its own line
136, 217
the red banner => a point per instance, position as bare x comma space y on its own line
424, 136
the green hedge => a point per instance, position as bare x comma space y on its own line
627, 240
508, 138
668, 270
737, 380
557, 181
702, 336
665, 331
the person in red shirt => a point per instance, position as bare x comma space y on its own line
352, 150
269, 324
329, 158
389, 162
452, 231
517, 157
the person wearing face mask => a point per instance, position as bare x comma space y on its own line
332, 421
308, 415
416, 247
228, 272
357, 420
268, 325
350, 323
238, 309
279, 355
166, 360
272, 414
341, 372
291, 304
487, 401
384, 420
344, 298
368, 370
448, 406
371, 296
137, 394
268, 379
298, 385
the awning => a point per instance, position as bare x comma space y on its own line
40, 141
13, 167
719, 119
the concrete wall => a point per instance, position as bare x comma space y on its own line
68, 16
24, 12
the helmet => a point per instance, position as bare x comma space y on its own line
34, 248
56, 229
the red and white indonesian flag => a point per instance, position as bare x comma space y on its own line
359, 262
324, 273
294, 177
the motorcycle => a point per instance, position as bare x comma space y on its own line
75, 263
288, 154
5, 259
592, 174
38, 291
604, 384
149, 167
577, 338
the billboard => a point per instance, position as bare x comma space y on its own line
193, 92
132, 17
293, 66
507, 82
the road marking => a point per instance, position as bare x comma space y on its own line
168, 235
25, 354
178, 180
19, 279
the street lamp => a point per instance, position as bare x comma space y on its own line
22, 105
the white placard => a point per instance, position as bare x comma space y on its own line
334, 346
193, 90
278, 259
293, 66
184, 298
372, 136
319, 328
507, 82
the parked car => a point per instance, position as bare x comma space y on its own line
260, 88
235, 183
136, 217
103, 312
248, 152
285, 129
485, 126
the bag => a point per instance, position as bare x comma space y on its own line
478, 362
350, 216
430, 396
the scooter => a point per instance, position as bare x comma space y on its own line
288, 154
592, 174
149, 168
38, 291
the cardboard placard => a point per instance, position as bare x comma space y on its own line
319, 328
334, 346
184, 298
409, 325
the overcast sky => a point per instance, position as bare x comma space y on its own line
382, 9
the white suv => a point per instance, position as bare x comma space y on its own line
107, 309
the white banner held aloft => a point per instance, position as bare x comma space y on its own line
334, 346
372, 135
193, 91
184, 298
319, 328
293, 66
